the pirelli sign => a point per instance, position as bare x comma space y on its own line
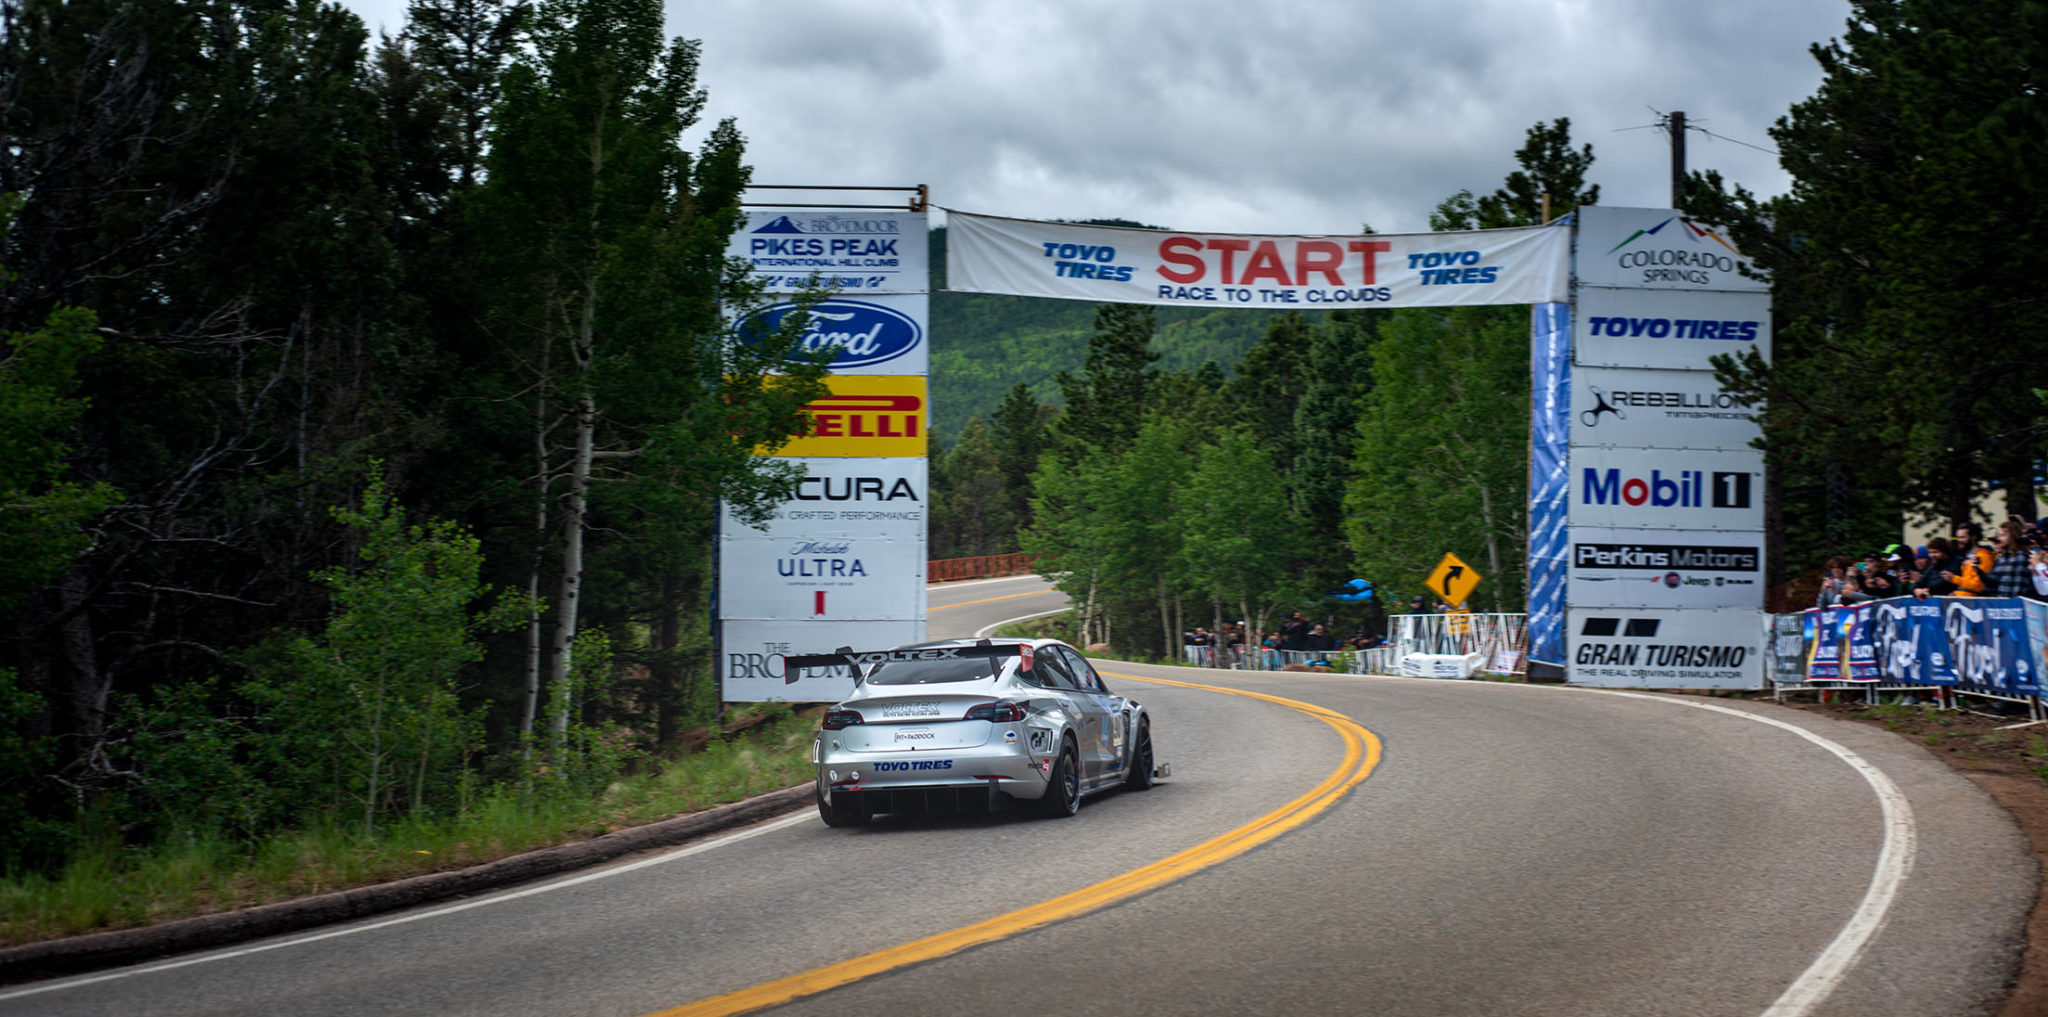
873, 416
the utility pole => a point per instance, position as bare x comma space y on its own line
1676, 125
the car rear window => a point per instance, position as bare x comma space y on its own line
936, 672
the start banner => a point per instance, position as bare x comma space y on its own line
1024, 257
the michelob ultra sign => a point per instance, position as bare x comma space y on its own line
879, 416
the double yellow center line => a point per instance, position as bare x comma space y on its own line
1361, 755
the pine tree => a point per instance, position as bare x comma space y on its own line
1901, 264
1107, 400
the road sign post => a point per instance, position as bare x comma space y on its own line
1453, 580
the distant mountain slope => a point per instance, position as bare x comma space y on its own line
984, 344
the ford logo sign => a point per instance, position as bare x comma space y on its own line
864, 333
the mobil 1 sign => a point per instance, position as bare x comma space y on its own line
1664, 328
1664, 568
844, 497
1651, 649
1667, 489
1644, 408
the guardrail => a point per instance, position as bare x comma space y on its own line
943, 570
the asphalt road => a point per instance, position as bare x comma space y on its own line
1510, 849
975, 607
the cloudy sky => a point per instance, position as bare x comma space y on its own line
1282, 116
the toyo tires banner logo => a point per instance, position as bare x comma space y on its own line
864, 334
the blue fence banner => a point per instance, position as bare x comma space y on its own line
1988, 640
1824, 660
2037, 631
1861, 653
1990, 646
1907, 639
1550, 410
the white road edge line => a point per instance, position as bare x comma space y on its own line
961, 584
983, 632
684, 852
1827, 971
479, 902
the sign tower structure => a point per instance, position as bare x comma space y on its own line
1646, 490
841, 562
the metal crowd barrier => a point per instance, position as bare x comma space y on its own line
1502, 639
1962, 647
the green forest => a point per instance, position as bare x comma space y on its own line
365, 404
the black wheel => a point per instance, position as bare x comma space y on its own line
838, 815
1063, 795
1140, 776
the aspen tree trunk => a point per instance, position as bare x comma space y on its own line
1492, 543
540, 541
1180, 624
1088, 618
572, 566
581, 351
1166, 617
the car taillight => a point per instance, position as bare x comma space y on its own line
836, 719
997, 713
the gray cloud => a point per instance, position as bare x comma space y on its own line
1273, 117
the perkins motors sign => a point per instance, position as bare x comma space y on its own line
1664, 568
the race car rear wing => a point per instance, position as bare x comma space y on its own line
862, 660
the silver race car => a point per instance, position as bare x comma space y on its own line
974, 724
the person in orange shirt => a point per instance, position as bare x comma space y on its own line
1974, 561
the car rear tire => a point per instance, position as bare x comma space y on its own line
1140, 777
838, 815
1063, 789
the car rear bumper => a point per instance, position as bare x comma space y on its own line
892, 779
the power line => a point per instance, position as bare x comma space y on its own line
1664, 123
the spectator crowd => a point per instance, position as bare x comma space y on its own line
1295, 635
2014, 563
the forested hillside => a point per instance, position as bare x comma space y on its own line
983, 345
363, 409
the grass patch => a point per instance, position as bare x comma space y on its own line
1065, 626
108, 887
